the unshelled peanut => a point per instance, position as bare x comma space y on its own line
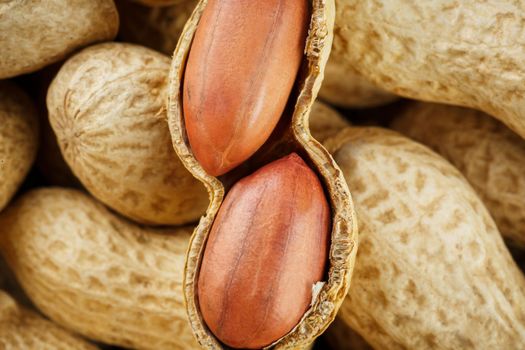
106, 106
23, 329
489, 155
465, 53
95, 273
34, 34
432, 270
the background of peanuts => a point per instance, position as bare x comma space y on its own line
381, 115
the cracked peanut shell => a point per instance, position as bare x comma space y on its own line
291, 134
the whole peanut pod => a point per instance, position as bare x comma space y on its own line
18, 139
432, 271
107, 108
466, 53
34, 34
229, 116
96, 274
290, 135
23, 329
487, 153
270, 262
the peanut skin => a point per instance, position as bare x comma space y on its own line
267, 247
241, 68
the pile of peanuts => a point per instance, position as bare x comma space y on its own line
277, 174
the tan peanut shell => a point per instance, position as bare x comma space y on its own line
23, 329
465, 53
489, 155
97, 274
291, 135
35, 34
432, 271
344, 88
18, 139
106, 106
154, 27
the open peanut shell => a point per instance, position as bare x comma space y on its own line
291, 135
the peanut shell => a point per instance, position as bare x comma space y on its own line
487, 153
106, 106
296, 138
18, 139
96, 274
34, 34
23, 329
432, 270
465, 53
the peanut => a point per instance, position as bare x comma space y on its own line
18, 139
489, 155
23, 329
291, 135
465, 53
35, 34
95, 273
239, 75
432, 270
106, 106
266, 249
